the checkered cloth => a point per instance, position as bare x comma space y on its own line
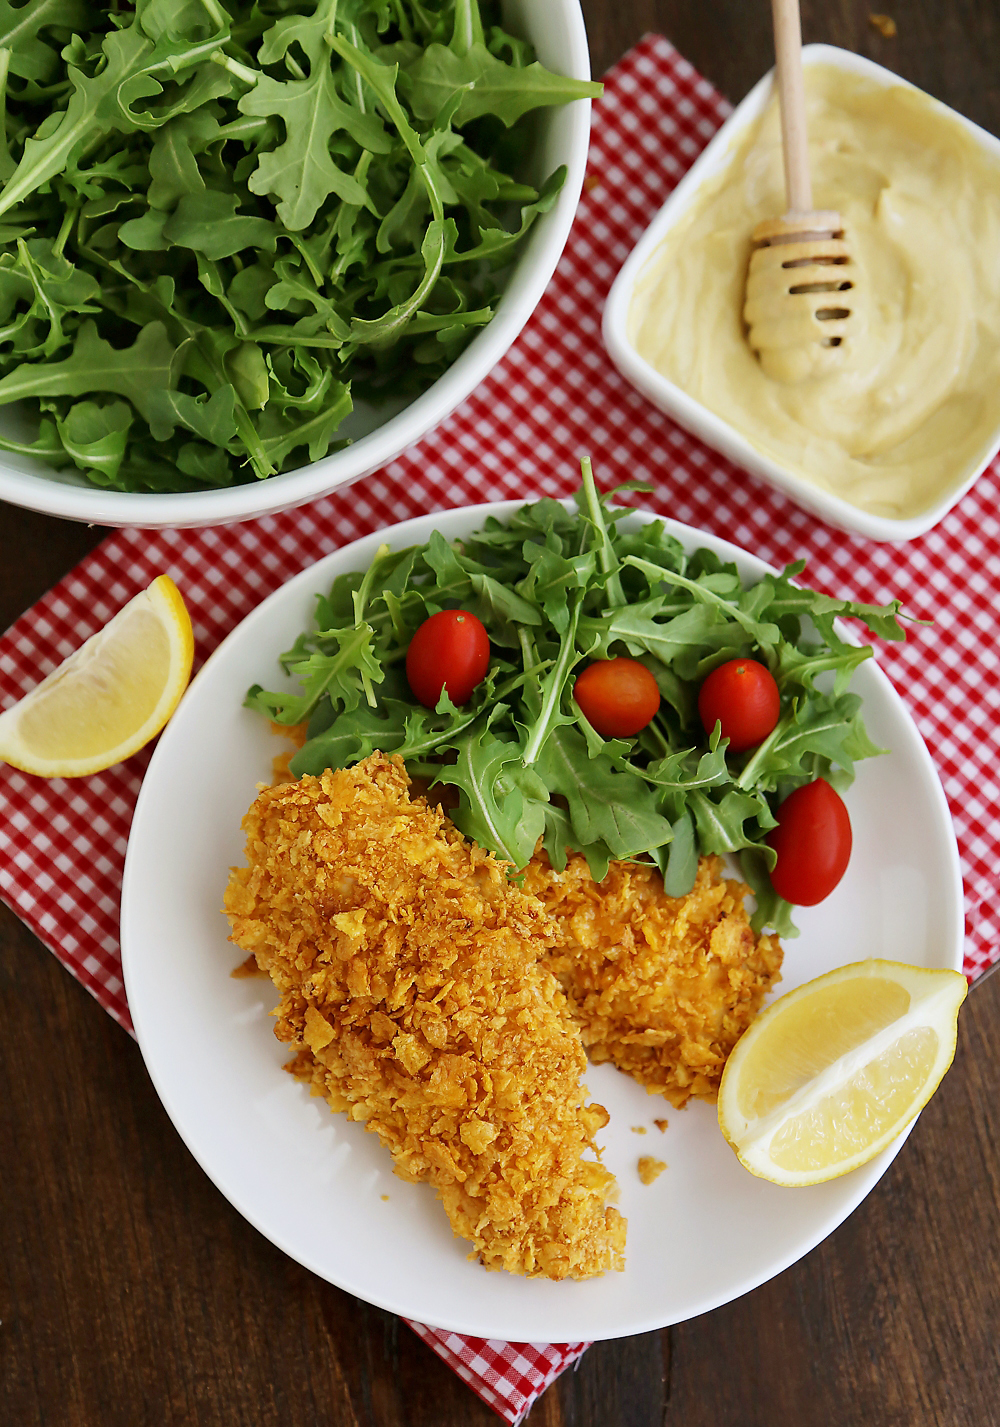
554, 398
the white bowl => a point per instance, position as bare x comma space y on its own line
556, 29
705, 424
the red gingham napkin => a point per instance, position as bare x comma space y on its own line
554, 398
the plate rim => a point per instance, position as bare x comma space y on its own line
865, 1177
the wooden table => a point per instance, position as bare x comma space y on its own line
132, 1295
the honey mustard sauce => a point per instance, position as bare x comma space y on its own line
912, 402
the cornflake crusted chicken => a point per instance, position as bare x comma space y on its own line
661, 986
412, 998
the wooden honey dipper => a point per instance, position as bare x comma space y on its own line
796, 327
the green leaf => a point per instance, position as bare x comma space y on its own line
209, 465
550, 580
722, 825
352, 736
803, 666
337, 676
7, 164
636, 626
173, 167
283, 432
58, 289
706, 591
46, 446
391, 325
247, 370
684, 771
486, 85
21, 26
820, 727
133, 70
605, 805
95, 436
559, 841
211, 418
772, 911
301, 172
208, 223
494, 811
681, 866
135, 372
145, 233
498, 606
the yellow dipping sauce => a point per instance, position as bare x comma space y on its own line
913, 403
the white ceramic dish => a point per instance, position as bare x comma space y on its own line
705, 424
703, 1234
556, 29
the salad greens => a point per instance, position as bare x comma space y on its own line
556, 588
222, 222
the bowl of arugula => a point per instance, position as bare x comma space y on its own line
250, 253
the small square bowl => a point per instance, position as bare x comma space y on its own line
697, 418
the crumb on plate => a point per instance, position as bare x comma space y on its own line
650, 1168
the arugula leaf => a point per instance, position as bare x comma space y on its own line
132, 71
722, 825
208, 223
57, 289
210, 418
352, 736
282, 432
95, 436
526, 763
301, 171
772, 911
680, 867
151, 363
173, 166
257, 182
688, 769
605, 805
20, 27
493, 810
485, 85
337, 676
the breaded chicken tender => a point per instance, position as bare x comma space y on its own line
661, 986
413, 999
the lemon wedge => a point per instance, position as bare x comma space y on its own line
110, 697
831, 1073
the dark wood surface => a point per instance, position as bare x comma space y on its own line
132, 1295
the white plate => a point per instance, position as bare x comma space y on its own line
705, 1232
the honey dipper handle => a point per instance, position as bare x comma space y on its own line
791, 96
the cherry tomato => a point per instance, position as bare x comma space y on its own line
617, 697
450, 650
744, 698
813, 843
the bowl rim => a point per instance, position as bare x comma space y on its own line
696, 417
188, 509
